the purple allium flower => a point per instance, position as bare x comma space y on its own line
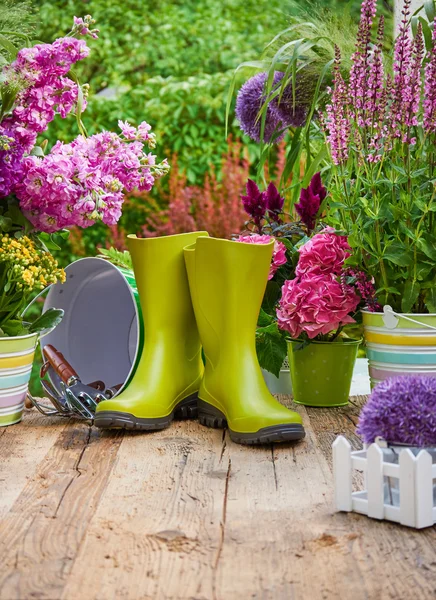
401, 410
310, 201
274, 202
249, 102
430, 89
254, 202
279, 115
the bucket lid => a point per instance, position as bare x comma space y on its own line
99, 334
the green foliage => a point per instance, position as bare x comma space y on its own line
118, 258
169, 63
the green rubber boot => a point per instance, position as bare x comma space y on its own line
170, 369
227, 282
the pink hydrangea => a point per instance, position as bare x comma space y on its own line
83, 182
315, 304
326, 252
279, 252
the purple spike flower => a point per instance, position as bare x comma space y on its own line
337, 121
274, 202
430, 89
401, 410
254, 203
310, 201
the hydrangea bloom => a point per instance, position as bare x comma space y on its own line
82, 182
315, 304
326, 253
279, 252
401, 410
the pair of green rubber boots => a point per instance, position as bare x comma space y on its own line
200, 292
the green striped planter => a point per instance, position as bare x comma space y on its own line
101, 333
399, 346
16, 359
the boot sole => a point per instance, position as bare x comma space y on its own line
186, 409
210, 416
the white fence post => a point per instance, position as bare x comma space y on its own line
375, 482
407, 464
342, 474
424, 490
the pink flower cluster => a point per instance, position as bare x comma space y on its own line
279, 252
316, 302
325, 253
45, 91
83, 182
373, 110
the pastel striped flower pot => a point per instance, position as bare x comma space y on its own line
16, 359
400, 344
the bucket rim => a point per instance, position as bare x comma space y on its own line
348, 342
398, 314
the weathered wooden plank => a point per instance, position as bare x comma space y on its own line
282, 538
22, 447
41, 534
157, 530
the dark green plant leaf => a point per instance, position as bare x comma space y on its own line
410, 295
271, 349
430, 299
13, 327
117, 257
51, 318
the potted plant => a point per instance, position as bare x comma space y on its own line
398, 427
42, 195
381, 132
315, 308
268, 220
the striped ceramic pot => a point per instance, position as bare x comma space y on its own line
400, 344
16, 359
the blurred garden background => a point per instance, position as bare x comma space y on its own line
171, 63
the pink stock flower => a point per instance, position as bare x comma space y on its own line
279, 252
325, 253
83, 182
316, 305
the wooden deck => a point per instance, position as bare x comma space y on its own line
187, 514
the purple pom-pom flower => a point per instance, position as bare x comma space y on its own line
402, 410
279, 115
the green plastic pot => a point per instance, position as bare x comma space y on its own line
321, 372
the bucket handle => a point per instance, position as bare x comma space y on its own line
391, 318
48, 330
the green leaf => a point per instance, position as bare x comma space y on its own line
271, 296
16, 215
264, 319
398, 255
430, 299
410, 295
47, 240
271, 349
429, 8
5, 223
14, 327
426, 247
118, 258
9, 46
51, 318
37, 151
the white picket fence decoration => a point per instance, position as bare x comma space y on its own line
416, 477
